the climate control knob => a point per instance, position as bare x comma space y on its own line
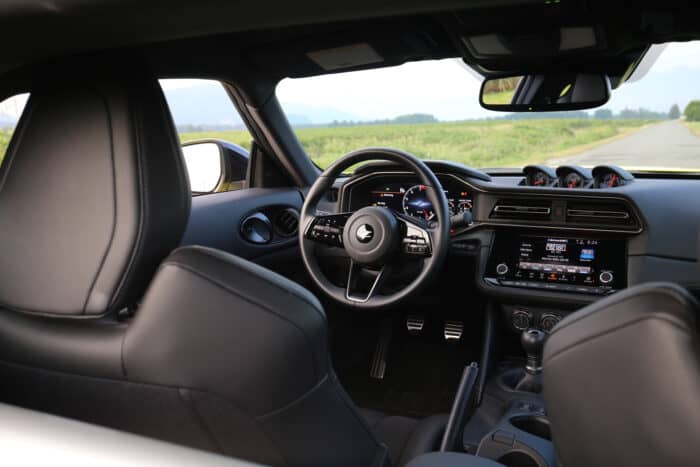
520, 320
606, 277
548, 321
502, 269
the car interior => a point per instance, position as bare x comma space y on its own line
382, 309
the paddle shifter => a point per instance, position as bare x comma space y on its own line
532, 341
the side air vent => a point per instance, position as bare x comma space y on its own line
600, 214
522, 209
287, 222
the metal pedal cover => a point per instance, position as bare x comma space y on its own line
415, 324
453, 331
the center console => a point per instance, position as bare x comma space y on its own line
582, 265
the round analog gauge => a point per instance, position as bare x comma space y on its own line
464, 205
609, 180
416, 203
538, 178
572, 180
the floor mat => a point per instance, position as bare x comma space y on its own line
422, 374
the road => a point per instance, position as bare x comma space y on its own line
669, 144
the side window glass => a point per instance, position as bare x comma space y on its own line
10, 111
215, 142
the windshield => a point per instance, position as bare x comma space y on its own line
431, 109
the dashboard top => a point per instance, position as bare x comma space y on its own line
658, 215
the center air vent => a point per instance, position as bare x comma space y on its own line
608, 214
287, 222
522, 209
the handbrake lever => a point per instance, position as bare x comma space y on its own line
451, 439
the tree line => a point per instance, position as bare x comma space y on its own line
692, 111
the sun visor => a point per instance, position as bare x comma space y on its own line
350, 56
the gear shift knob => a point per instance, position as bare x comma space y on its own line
532, 341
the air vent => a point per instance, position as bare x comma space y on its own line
287, 222
522, 209
600, 214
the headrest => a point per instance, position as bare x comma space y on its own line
93, 195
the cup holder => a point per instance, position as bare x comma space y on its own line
518, 459
536, 426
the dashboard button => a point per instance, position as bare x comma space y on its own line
502, 269
606, 277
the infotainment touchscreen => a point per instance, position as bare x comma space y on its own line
571, 264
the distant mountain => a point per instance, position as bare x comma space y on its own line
300, 114
205, 104
209, 105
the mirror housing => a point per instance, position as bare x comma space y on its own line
556, 91
215, 165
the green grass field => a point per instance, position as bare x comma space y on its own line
483, 144
5, 136
502, 143
499, 98
693, 126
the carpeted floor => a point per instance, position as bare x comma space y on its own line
423, 372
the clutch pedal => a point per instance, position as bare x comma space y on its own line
415, 324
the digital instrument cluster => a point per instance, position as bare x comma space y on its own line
411, 198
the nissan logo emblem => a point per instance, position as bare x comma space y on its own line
364, 233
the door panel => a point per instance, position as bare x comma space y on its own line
216, 221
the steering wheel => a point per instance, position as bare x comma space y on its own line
374, 237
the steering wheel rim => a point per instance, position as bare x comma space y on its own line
438, 233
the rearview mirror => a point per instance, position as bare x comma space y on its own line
545, 92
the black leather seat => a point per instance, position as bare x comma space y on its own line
622, 381
406, 437
221, 355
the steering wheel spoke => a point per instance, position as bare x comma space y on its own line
354, 273
416, 237
327, 229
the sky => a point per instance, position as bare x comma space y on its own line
450, 92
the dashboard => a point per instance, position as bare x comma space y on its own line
564, 235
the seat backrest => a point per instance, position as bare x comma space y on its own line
622, 380
221, 355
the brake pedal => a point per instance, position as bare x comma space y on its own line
415, 324
453, 331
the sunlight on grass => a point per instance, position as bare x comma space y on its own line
485, 144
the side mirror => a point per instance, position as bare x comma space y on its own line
215, 165
545, 92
